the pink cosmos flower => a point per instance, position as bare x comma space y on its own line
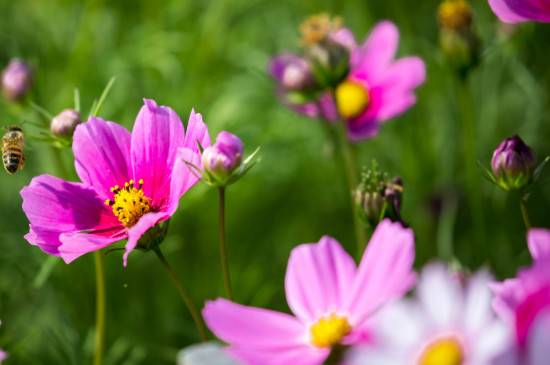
130, 182
332, 300
524, 302
448, 322
378, 87
515, 11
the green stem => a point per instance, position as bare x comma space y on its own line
192, 309
473, 185
524, 213
100, 307
223, 249
352, 179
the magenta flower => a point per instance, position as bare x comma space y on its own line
525, 302
378, 87
331, 299
515, 11
130, 182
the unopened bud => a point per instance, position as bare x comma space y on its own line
292, 72
378, 197
17, 79
326, 48
222, 159
64, 124
513, 163
457, 36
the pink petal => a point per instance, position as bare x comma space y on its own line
135, 233
253, 328
317, 279
538, 240
302, 355
539, 340
378, 51
76, 244
156, 137
344, 37
398, 86
184, 177
56, 204
102, 155
46, 239
197, 131
385, 271
508, 296
514, 11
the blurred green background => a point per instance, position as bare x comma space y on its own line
213, 56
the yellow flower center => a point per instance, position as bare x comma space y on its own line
316, 28
446, 351
130, 203
352, 99
328, 331
455, 14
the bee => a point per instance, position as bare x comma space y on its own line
12, 149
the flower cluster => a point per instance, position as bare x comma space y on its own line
337, 78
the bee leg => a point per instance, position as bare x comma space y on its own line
22, 161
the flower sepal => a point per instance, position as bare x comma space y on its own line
153, 237
214, 180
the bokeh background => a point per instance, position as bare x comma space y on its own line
212, 56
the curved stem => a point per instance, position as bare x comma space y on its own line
100, 307
223, 249
194, 312
524, 213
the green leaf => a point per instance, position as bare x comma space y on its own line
99, 104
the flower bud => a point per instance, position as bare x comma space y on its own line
222, 159
326, 48
17, 79
513, 163
292, 72
457, 37
64, 124
377, 197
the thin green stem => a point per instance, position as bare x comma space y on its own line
100, 307
524, 213
352, 179
223, 249
192, 309
473, 184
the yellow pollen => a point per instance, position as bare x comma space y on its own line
129, 203
316, 28
455, 14
446, 351
328, 331
352, 99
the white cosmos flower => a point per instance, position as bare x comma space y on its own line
447, 323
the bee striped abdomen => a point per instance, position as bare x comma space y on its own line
12, 149
13, 158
